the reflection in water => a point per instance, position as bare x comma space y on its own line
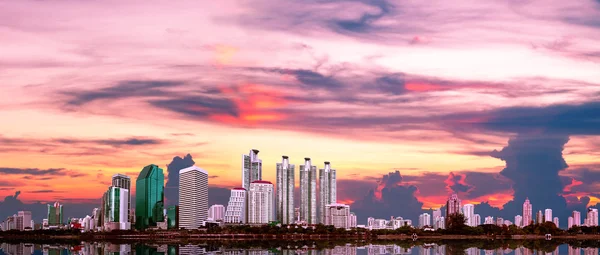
371, 249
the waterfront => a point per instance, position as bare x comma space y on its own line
288, 248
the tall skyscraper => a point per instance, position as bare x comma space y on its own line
251, 168
124, 181
26, 216
327, 188
539, 217
55, 214
236, 208
527, 213
436, 217
592, 217
337, 215
285, 191
569, 222
576, 218
477, 218
116, 209
149, 197
216, 212
260, 202
308, 192
519, 221
193, 197
469, 212
548, 215
453, 205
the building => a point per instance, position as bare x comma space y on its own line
477, 218
576, 218
539, 217
327, 188
260, 202
592, 217
548, 215
489, 220
116, 212
173, 217
308, 192
570, 222
499, 221
124, 181
352, 220
285, 191
436, 215
527, 213
441, 224
453, 205
519, 221
337, 215
555, 221
25, 217
251, 168
469, 212
149, 197
236, 211
216, 213
424, 220
55, 214
193, 197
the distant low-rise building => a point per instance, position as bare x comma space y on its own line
337, 215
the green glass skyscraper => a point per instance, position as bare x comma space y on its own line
149, 197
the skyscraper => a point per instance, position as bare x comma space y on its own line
236, 208
539, 217
26, 216
570, 222
576, 218
285, 191
116, 209
327, 188
469, 212
519, 221
424, 220
453, 205
548, 215
55, 214
436, 217
149, 197
260, 202
216, 212
477, 218
251, 168
527, 213
337, 215
308, 192
193, 197
352, 220
124, 181
555, 221
592, 217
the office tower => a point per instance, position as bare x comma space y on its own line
26, 218
499, 221
193, 197
285, 191
527, 213
352, 220
441, 223
489, 220
251, 168
236, 207
216, 212
337, 215
116, 209
548, 215
592, 217
149, 197
437, 213
469, 212
308, 192
539, 217
519, 221
260, 202
453, 205
555, 221
55, 214
576, 218
424, 220
173, 217
327, 188
123, 181
477, 218
570, 222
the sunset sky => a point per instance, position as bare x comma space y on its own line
432, 89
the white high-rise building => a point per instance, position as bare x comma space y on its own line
251, 168
477, 218
285, 191
437, 217
327, 188
26, 217
337, 215
352, 220
308, 192
519, 221
236, 208
570, 222
116, 213
527, 213
469, 212
592, 217
424, 220
216, 213
548, 215
193, 197
453, 205
124, 181
260, 202
555, 221
576, 218
489, 220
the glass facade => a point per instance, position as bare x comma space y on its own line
251, 168
149, 201
172, 214
308, 192
55, 214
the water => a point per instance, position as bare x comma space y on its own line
461, 247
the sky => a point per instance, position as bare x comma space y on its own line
410, 101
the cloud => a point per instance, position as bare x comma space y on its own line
172, 185
364, 24
124, 89
456, 183
12, 204
32, 171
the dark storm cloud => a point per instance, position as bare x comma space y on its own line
392, 84
456, 183
315, 79
172, 186
364, 23
123, 89
218, 195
